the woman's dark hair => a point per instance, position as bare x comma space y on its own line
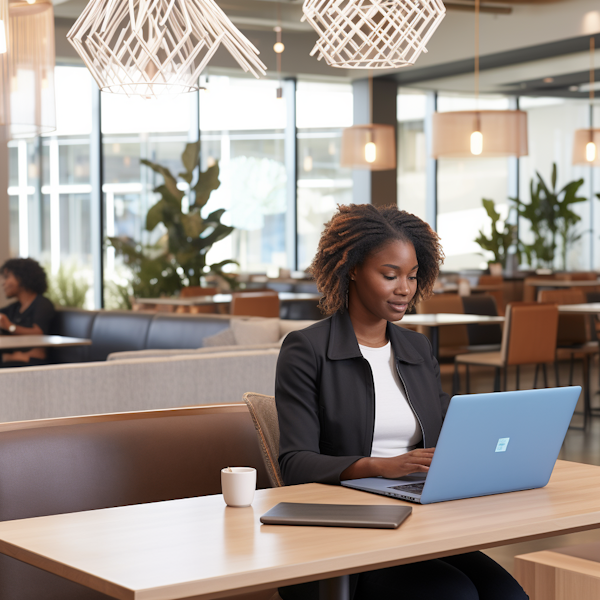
28, 272
354, 232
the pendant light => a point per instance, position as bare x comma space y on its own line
371, 146
372, 34
159, 47
3, 25
28, 70
486, 133
587, 141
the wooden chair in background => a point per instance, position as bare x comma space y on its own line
263, 303
575, 339
498, 294
529, 338
193, 291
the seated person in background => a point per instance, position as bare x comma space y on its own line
32, 313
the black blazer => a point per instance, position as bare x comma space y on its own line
325, 397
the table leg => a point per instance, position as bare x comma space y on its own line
435, 342
336, 588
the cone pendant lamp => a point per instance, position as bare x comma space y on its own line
586, 144
485, 133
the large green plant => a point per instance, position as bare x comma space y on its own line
179, 257
68, 286
502, 236
551, 219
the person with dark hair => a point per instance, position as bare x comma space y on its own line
31, 314
358, 396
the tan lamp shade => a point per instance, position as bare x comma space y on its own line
370, 147
586, 147
27, 75
497, 133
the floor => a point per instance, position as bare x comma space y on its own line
579, 446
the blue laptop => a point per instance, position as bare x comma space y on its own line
489, 444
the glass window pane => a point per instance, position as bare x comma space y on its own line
412, 153
462, 184
242, 127
323, 110
552, 123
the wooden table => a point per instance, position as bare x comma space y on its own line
563, 283
18, 342
591, 308
223, 299
199, 547
438, 320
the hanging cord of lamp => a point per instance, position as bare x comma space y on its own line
477, 136
590, 147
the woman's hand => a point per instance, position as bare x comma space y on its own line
415, 461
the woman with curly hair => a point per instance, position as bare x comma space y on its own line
31, 314
358, 396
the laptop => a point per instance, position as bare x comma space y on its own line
489, 444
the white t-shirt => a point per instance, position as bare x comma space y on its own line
397, 429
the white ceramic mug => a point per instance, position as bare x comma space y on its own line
238, 485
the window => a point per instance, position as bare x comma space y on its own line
552, 123
323, 110
242, 125
462, 183
412, 152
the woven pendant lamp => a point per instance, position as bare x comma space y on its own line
371, 146
372, 34
486, 133
27, 71
586, 143
155, 47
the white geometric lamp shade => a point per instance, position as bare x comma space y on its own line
485, 133
586, 147
27, 73
372, 34
156, 47
370, 147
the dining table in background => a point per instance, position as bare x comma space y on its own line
19, 342
200, 548
435, 321
220, 299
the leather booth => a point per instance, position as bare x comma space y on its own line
57, 466
118, 331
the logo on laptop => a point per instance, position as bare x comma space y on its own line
502, 444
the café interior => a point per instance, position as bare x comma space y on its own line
253, 120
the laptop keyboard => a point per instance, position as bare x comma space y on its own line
413, 488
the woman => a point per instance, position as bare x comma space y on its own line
360, 397
32, 313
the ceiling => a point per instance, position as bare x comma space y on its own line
533, 47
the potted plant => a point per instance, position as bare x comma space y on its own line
178, 259
501, 238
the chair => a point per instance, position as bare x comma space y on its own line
264, 415
529, 337
561, 573
486, 337
193, 291
453, 339
575, 339
72, 464
530, 291
495, 280
264, 303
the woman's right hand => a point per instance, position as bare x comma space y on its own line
415, 461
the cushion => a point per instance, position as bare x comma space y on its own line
255, 331
223, 338
186, 351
